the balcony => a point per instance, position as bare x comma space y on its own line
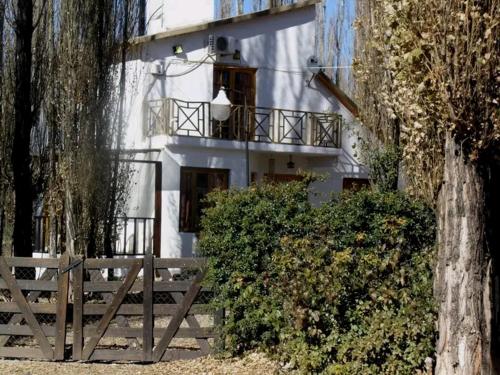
176, 117
133, 236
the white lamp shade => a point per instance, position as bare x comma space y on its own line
221, 106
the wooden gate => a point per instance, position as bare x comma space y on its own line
33, 312
150, 310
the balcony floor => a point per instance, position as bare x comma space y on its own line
177, 141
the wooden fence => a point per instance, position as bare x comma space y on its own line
145, 310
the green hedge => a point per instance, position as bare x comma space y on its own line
344, 288
241, 231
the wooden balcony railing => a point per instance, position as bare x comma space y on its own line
270, 125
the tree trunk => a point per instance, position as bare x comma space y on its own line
2, 224
71, 239
21, 158
493, 246
142, 17
53, 229
240, 7
110, 221
2, 186
226, 7
463, 282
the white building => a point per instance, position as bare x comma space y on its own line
295, 120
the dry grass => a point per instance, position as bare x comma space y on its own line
251, 364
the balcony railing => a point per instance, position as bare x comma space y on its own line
270, 125
41, 229
133, 235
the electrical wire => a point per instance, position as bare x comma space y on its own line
192, 69
199, 63
284, 70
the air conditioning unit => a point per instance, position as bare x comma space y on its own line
156, 68
222, 45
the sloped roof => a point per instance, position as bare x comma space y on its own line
231, 20
333, 89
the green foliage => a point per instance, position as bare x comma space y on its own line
357, 293
241, 231
430, 80
343, 289
383, 164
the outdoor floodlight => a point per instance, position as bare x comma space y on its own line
178, 49
221, 106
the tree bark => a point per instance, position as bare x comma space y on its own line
2, 186
240, 7
23, 118
463, 282
226, 8
110, 221
2, 20
142, 17
493, 246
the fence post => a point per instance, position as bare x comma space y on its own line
157, 221
77, 311
148, 322
62, 306
219, 317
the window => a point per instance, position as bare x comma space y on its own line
239, 83
280, 178
196, 183
355, 184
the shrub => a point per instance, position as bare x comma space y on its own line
383, 164
357, 294
345, 288
241, 230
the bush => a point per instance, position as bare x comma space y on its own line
241, 231
343, 289
383, 163
357, 294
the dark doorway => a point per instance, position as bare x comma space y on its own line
239, 83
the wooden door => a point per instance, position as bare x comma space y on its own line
239, 83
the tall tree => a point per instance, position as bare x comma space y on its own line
2, 124
88, 107
278, 3
21, 157
335, 41
27, 160
112, 200
6, 123
437, 64
63, 117
226, 8
241, 6
263, 4
258, 5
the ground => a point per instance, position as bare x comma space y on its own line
249, 365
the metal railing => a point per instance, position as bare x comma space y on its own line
41, 235
134, 236
270, 125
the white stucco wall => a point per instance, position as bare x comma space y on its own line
278, 46
163, 15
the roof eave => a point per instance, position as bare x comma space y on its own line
225, 21
343, 98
